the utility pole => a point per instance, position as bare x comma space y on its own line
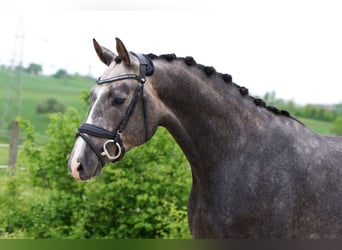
13, 148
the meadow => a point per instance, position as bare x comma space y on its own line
37, 89
3, 155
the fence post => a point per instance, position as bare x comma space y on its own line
13, 149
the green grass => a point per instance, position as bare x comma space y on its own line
321, 127
3, 160
36, 89
3, 172
3, 156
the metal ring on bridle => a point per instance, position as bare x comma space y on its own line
106, 153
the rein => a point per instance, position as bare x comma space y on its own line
146, 68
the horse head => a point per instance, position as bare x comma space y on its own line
123, 112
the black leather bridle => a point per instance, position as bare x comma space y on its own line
146, 68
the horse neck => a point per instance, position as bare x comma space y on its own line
206, 116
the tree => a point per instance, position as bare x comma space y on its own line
18, 68
338, 108
61, 73
34, 69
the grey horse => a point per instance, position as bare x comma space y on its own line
257, 172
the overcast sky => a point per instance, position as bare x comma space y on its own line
291, 47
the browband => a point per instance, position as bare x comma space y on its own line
143, 61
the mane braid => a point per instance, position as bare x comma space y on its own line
168, 57
229, 79
209, 71
190, 61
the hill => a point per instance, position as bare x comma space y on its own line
37, 89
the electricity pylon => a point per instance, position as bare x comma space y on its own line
12, 97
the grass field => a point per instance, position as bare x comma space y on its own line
3, 155
321, 127
37, 89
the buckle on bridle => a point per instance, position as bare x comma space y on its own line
106, 153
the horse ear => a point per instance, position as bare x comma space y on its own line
105, 55
122, 51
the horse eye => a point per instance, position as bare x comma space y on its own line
118, 100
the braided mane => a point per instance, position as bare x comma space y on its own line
209, 70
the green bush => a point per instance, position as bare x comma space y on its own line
51, 105
337, 126
143, 196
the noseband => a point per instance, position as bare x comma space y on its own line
146, 68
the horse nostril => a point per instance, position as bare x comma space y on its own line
80, 168
76, 169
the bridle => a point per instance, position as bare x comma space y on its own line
146, 68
